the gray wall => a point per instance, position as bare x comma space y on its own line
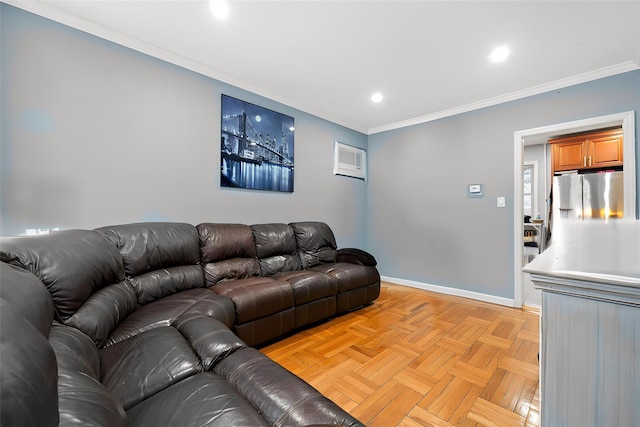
95, 134
421, 225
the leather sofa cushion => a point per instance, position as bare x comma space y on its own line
151, 246
103, 311
256, 297
349, 276
219, 242
316, 243
204, 399
281, 397
139, 367
83, 400
160, 258
211, 340
228, 252
75, 351
164, 311
276, 248
309, 285
72, 264
28, 388
157, 284
230, 269
357, 284
28, 296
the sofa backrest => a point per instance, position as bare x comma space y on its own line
276, 248
316, 243
227, 252
28, 296
83, 273
28, 376
159, 258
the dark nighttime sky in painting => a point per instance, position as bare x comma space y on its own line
263, 120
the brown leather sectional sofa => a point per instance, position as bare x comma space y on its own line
153, 324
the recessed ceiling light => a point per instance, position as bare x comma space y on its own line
499, 54
376, 97
219, 8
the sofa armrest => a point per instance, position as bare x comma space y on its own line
356, 256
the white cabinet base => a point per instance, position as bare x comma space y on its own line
590, 362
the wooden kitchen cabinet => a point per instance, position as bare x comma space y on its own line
605, 149
588, 151
568, 153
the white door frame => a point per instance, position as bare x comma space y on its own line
626, 119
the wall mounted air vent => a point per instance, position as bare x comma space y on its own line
349, 161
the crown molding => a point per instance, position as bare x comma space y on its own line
535, 90
48, 11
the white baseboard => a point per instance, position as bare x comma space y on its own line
509, 302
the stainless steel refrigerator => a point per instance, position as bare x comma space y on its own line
588, 196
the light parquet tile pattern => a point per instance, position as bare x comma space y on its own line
415, 358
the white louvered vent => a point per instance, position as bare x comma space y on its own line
349, 161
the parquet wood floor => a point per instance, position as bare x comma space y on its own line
416, 358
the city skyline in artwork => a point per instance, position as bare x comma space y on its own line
257, 147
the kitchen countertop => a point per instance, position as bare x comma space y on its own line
598, 252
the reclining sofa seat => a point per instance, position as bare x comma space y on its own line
354, 270
282, 277
264, 306
314, 292
190, 369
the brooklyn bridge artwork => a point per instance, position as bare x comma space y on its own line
256, 147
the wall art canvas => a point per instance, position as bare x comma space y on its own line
256, 147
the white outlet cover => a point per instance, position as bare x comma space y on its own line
501, 202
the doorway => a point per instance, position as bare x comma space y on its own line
541, 135
534, 206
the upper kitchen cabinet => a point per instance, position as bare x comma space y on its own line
588, 150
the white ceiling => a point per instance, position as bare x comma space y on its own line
428, 58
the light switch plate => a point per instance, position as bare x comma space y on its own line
501, 202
